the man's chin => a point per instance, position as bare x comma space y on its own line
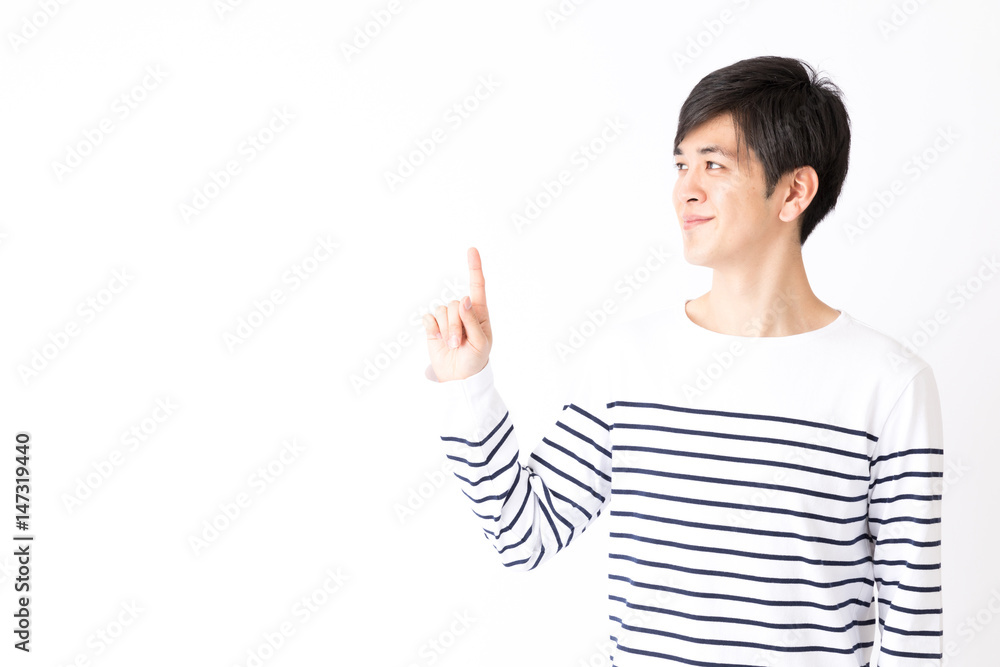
696, 258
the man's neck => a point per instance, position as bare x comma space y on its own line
763, 298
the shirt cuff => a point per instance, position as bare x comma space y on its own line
473, 384
468, 408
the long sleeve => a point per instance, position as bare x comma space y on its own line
904, 519
529, 510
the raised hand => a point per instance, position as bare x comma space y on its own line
459, 336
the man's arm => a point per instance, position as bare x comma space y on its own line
904, 520
528, 511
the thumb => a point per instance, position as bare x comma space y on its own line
473, 330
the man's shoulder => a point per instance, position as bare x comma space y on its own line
872, 347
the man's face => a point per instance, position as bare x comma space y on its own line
738, 225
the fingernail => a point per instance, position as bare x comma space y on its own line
467, 303
453, 341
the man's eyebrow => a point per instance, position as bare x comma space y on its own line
713, 148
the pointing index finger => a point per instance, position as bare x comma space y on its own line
477, 283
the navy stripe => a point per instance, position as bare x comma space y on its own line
492, 475
489, 457
749, 438
724, 642
902, 654
917, 612
541, 553
917, 589
738, 506
516, 544
739, 529
584, 462
897, 519
516, 562
569, 501
737, 459
744, 554
904, 587
513, 485
562, 519
487, 517
741, 598
737, 482
904, 540
503, 497
589, 416
907, 452
581, 436
675, 658
912, 566
566, 476
744, 577
903, 475
552, 525
913, 633
904, 496
743, 621
524, 503
745, 415
477, 443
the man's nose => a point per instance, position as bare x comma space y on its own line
690, 189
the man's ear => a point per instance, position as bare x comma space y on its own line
800, 188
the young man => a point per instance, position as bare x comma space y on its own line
767, 462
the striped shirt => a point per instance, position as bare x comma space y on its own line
769, 499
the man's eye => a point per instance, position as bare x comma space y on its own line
680, 165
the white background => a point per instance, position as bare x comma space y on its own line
366, 448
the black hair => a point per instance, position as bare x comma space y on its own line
787, 115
